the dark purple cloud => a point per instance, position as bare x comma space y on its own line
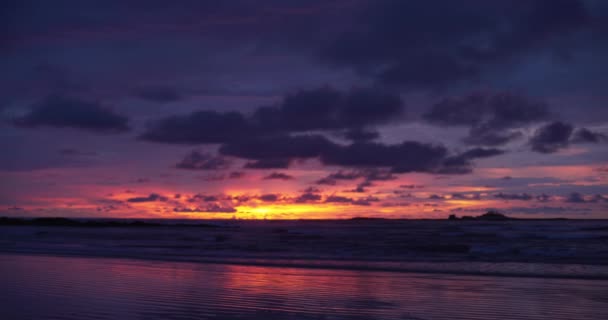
543, 197
408, 156
405, 157
76, 152
214, 207
551, 137
332, 178
411, 186
308, 197
576, 197
324, 108
368, 175
269, 197
160, 94
491, 117
203, 198
362, 187
269, 164
196, 160
151, 198
439, 43
278, 147
476, 153
463, 163
360, 135
327, 108
584, 135
201, 127
353, 201
559, 135
278, 176
67, 112
507, 196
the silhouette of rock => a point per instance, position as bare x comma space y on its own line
488, 216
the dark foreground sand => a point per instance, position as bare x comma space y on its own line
46, 287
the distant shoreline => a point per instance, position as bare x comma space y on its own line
209, 223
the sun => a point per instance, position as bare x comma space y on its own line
288, 211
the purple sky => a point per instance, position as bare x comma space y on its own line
304, 109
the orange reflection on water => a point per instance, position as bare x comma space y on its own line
38, 287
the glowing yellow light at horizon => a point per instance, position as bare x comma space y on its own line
292, 211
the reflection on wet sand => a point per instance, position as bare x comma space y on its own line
39, 287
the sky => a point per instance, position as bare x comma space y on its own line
303, 109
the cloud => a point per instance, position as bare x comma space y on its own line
223, 176
491, 117
268, 164
476, 153
151, 198
507, 196
269, 197
278, 176
598, 198
543, 198
485, 137
559, 135
76, 152
368, 175
201, 127
361, 187
236, 174
158, 94
358, 202
576, 197
277, 147
551, 137
308, 197
67, 112
408, 156
266, 138
203, 198
338, 199
360, 135
312, 189
324, 108
340, 175
411, 186
464, 196
196, 160
438, 43
584, 135
462, 163
215, 208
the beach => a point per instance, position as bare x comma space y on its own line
353, 269
47, 287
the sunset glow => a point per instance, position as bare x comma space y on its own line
326, 110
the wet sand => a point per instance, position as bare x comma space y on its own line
47, 287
